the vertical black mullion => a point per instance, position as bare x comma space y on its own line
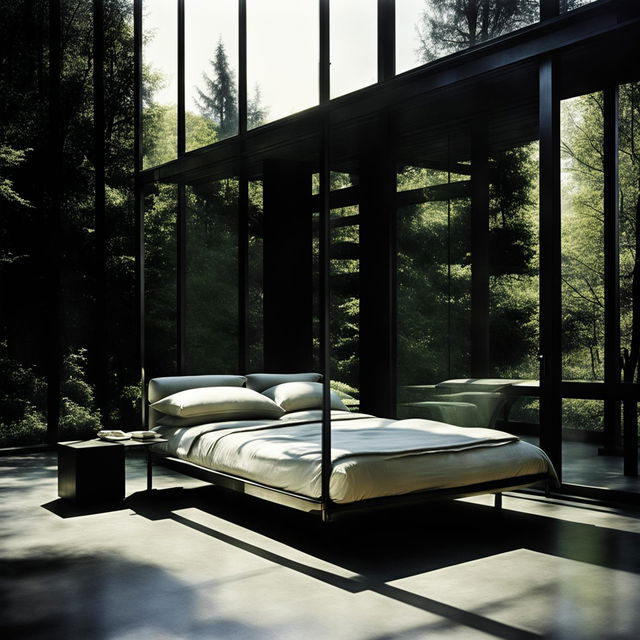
181, 275
139, 197
243, 196
54, 324
243, 271
549, 9
100, 315
181, 214
324, 254
611, 271
386, 39
181, 83
242, 67
550, 265
479, 252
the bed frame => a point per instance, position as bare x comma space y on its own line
329, 510
324, 506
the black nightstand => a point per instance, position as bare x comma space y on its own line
92, 471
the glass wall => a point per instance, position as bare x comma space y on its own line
160, 275
430, 29
354, 45
434, 286
255, 331
570, 5
282, 58
211, 279
514, 263
160, 82
344, 310
211, 71
582, 238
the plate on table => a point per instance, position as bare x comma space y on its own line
115, 438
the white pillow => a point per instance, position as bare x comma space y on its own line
219, 403
298, 396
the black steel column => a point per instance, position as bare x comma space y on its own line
324, 240
378, 382
550, 266
612, 440
100, 360
243, 196
386, 39
479, 252
139, 199
54, 324
242, 67
181, 214
288, 266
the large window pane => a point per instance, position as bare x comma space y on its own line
211, 316
282, 58
211, 71
513, 263
582, 238
434, 287
160, 77
430, 29
354, 49
160, 281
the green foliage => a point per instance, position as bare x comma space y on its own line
10, 158
448, 26
218, 101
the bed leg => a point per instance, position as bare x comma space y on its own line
497, 503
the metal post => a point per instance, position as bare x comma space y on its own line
386, 39
99, 347
54, 348
550, 266
324, 257
242, 67
139, 198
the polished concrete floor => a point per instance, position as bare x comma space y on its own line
190, 561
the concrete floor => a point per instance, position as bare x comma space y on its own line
190, 561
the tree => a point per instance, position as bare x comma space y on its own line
448, 26
218, 101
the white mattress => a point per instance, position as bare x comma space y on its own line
372, 457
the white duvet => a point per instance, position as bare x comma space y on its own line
372, 457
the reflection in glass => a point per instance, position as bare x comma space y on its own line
430, 29
160, 89
513, 267
211, 64
434, 286
160, 246
344, 311
211, 296
353, 46
282, 58
582, 238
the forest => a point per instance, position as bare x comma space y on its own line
433, 253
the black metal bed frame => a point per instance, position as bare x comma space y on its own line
329, 510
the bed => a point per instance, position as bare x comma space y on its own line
262, 434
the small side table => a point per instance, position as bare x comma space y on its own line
92, 471
147, 444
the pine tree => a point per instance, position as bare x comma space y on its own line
218, 101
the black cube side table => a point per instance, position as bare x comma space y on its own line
91, 471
